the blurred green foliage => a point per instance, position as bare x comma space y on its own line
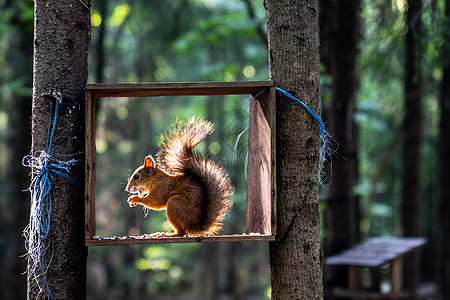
380, 111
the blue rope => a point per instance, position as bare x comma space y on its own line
313, 114
37, 233
325, 149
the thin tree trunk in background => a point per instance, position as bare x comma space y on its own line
443, 183
13, 282
295, 256
252, 16
341, 221
411, 191
326, 32
14, 218
62, 30
206, 281
99, 46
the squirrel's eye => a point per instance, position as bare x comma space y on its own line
136, 177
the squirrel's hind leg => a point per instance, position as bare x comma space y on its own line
184, 217
178, 231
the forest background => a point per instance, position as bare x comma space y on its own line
207, 40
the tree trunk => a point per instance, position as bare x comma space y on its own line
13, 283
326, 32
62, 31
295, 256
14, 218
206, 283
341, 220
443, 184
411, 191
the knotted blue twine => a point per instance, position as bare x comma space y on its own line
37, 233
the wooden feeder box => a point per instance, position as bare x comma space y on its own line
261, 185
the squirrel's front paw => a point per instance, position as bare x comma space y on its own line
133, 201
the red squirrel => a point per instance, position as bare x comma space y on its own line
194, 191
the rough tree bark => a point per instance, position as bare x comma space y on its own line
341, 221
412, 122
443, 183
295, 256
61, 38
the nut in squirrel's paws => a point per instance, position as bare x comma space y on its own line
133, 201
141, 191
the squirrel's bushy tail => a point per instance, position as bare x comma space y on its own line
176, 157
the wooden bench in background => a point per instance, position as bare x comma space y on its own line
376, 253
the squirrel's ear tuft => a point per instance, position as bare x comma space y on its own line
149, 162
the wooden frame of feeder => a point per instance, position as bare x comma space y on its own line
261, 181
